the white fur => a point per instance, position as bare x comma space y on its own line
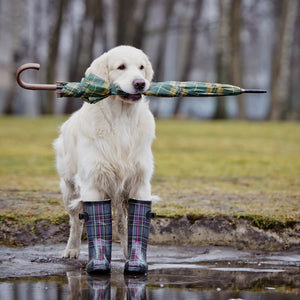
104, 149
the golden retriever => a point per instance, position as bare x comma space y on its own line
104, 149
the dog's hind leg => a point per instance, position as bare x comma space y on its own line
73, 246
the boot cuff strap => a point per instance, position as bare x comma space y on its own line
105, 201
140, 201
150, 215
84, 216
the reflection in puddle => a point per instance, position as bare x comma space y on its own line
161, 283
98, 288
136, 287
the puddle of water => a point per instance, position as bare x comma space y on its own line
161, 283
181, 272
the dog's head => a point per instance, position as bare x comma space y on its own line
126, 66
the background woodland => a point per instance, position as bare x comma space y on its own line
249, 43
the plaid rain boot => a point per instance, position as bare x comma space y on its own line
97, 216
138, 233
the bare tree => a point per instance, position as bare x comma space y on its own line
131, 20
19, 47
190, 50
162, 45
222, 55
293, 105
83, 46
282, 59
55, 33
236, 53
161, 51
124, 21
141, 19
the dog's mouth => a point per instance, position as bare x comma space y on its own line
132, 97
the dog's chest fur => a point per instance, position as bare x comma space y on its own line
122, 148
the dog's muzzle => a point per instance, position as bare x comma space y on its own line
139, 86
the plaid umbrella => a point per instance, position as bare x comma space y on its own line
93, 89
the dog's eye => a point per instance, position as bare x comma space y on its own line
122, 67
141, 67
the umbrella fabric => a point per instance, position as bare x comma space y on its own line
191, 89
93, 89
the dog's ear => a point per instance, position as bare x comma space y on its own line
99, 67
148, 70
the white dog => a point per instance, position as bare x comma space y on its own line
104, 149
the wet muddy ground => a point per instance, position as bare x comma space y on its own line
175, 272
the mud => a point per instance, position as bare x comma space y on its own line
221, 231
181, 272
41, 231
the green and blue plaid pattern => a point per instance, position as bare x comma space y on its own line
191, 89
99, 232
93, 89
138, 234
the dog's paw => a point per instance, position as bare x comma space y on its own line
71, 253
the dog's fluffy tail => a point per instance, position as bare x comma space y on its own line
75, 204
155, 198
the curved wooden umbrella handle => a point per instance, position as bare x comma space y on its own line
32, 86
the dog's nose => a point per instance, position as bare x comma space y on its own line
139, 84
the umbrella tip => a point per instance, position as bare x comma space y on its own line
254, 91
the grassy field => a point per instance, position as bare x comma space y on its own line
241, 169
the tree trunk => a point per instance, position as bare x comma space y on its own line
190, 51
132, 16
83, 49
19, 47
236, 54
53, 53
140, 24
125, 21
293, 107
222, 56
72, 71
282, 59
161, 51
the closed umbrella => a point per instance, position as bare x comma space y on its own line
93, 88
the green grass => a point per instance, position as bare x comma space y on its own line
241, 169
26, 157
238, 168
